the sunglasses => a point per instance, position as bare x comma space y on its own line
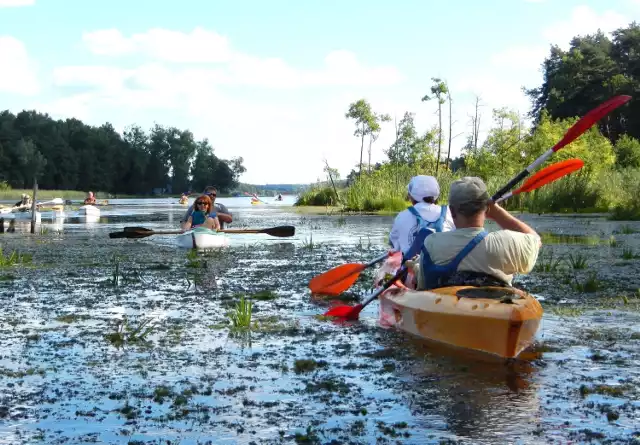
199, 203
212, 194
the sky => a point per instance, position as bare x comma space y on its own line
271, 81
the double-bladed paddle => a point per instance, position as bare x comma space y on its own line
142, 232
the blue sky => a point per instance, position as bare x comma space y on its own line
271, 80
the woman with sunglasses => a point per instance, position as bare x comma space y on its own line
202, 215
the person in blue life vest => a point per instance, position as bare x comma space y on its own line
469, 255
203, 216
423, 192
224, 215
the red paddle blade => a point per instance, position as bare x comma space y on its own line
348, 312
336, 280
550, 174
591, 118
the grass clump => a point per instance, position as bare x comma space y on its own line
126, 333
308, 365
14, 258
240, 315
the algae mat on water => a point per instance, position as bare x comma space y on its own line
130, 342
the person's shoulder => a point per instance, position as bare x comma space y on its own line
512, 235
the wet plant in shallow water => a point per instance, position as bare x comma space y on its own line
361, 245
626, 230
307, 243
577, 261
627, 253
591, 284
13, 258
126, 333
240, 315
115, 275
193, 260
548, 263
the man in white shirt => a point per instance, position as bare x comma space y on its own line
470, 255
423, 191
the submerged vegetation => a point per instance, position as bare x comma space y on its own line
106, 343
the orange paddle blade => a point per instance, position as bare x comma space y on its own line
348, 312
550, 174
336, 280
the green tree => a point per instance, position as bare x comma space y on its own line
593, 70
627, 151
438, 91
360, 111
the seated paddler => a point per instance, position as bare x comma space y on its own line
202, 215
470, 255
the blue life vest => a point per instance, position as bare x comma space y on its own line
198, 217
435, 275
425, 228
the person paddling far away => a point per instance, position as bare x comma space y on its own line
24, 203
90, 199
203, 216
470, 255
224, 215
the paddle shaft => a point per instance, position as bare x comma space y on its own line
241, 230
376, 261
399, 275
523, 174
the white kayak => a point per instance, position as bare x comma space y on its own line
202, 238
22, 216
89, 210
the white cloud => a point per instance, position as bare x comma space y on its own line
583, 20
190, 80
16, 3
236, 68
18, 72
199, 45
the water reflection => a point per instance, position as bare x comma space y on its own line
468, 390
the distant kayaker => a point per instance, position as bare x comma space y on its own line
90, 199
25, 203
224, 215
203, 216
469, 255
423, 192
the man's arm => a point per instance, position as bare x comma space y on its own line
223, 214
188, 214
507, 221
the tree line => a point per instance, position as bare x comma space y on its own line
70, 155
594, 69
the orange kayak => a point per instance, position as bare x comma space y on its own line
496, 320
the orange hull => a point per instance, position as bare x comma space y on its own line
500, 321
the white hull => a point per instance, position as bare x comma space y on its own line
89, 210
201, 239
21, 216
